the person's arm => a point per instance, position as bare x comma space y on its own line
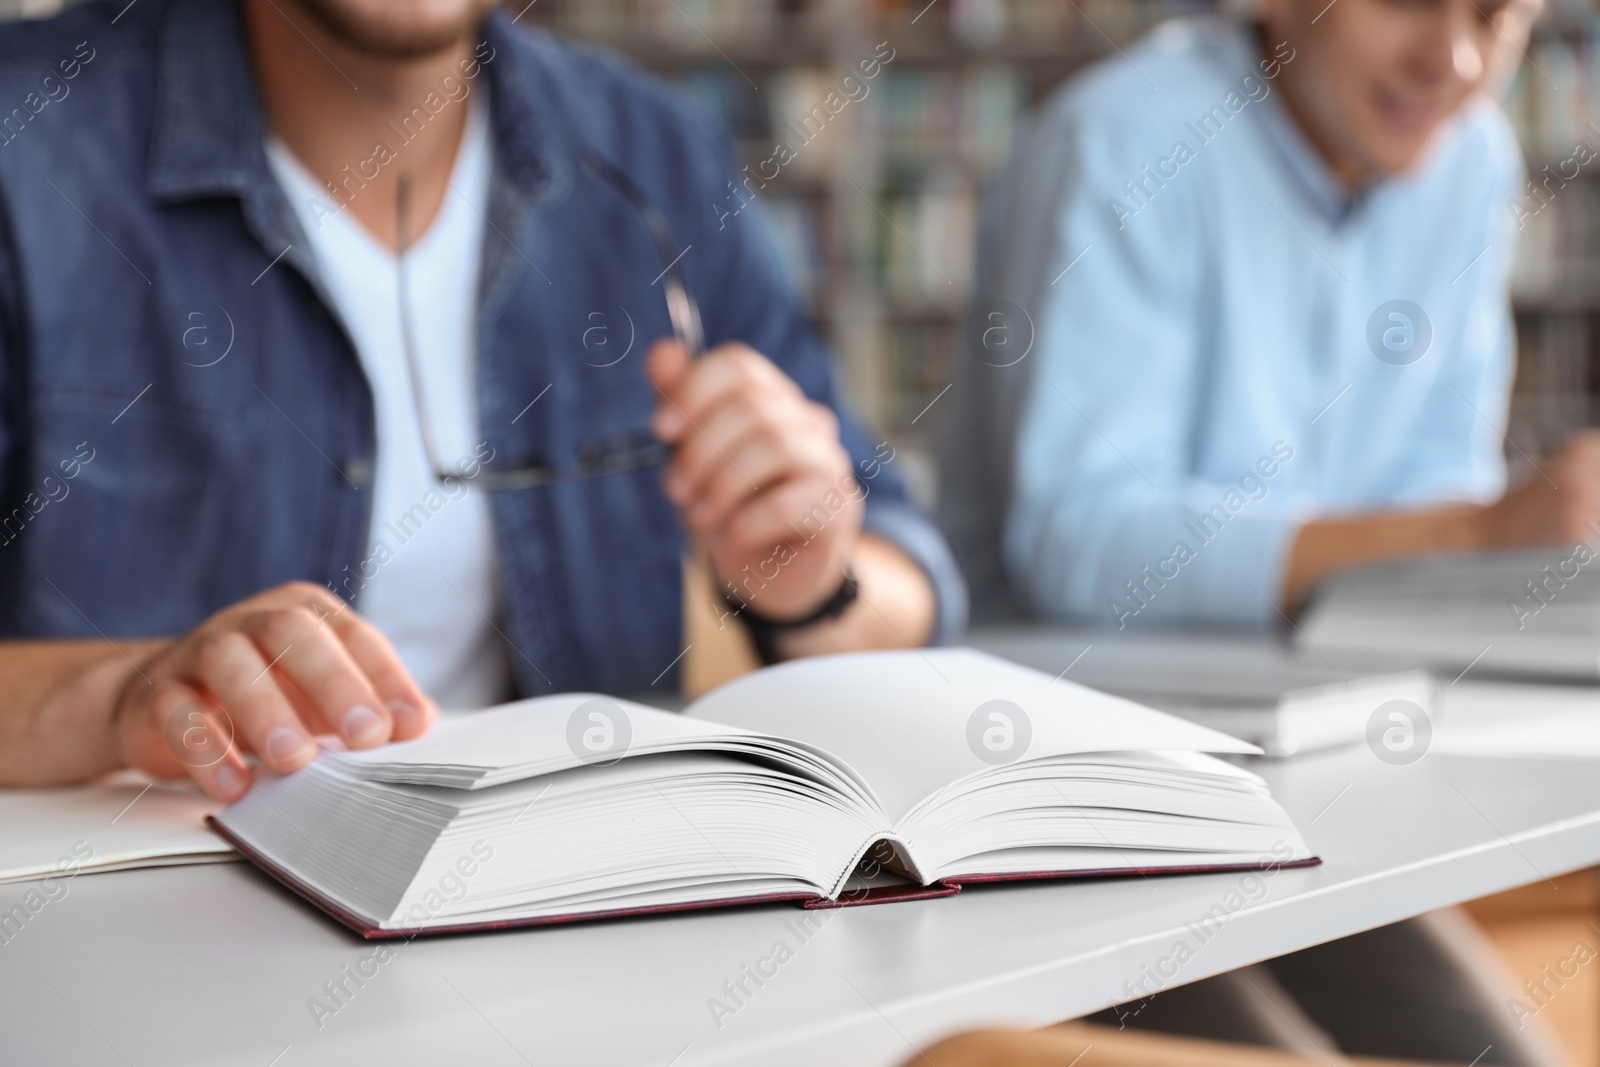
895, 607
772, 475
1325, 547
261, 676
1560, 504
55, 725
765, 485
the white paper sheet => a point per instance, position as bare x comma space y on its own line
902, 719
129, 822
1517, 719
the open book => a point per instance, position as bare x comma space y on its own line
948, 766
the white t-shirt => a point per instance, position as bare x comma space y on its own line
427, 577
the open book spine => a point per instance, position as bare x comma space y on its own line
850, 898
946, 887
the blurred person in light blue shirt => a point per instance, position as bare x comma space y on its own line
1265, 266
1243, 321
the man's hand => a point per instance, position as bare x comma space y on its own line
1559, 506
263, 676
758, 474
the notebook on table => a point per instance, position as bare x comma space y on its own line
1249, 685
122, 822
1533, 612
948, 766
1306, 718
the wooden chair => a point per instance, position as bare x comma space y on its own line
719, 650
1085, 1045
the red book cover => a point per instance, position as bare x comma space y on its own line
877, 895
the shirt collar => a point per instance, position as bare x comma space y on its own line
209, 134
1331, 198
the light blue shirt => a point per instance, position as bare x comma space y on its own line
1210, 307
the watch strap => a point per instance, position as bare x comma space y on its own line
764, 632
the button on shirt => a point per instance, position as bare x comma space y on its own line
427, 578
1229, 342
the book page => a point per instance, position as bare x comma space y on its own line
518, 740
125, 822
913, 722
543, 735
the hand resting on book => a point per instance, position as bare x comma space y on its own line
344, 677
263, 675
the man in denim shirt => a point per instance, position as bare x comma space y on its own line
300, 364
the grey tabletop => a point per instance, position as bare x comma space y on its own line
218, 965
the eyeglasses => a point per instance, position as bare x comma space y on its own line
633, 450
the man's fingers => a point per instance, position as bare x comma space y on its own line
232, 669
308, 713
197, 736
409, 708
667, 364
725, 372
803, 507
787, 443
761, 463
300, 647
742, 434
704, 452
266, 675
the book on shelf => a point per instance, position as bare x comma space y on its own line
927, 237
969, 115
1555, 94
692, 24
797, 234
945, 767
1531, 612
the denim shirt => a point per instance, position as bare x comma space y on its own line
184, 423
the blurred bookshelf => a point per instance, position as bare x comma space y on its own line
1554, 103
28, 9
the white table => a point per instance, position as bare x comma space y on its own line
215, 965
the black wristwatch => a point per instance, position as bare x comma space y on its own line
764, 632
